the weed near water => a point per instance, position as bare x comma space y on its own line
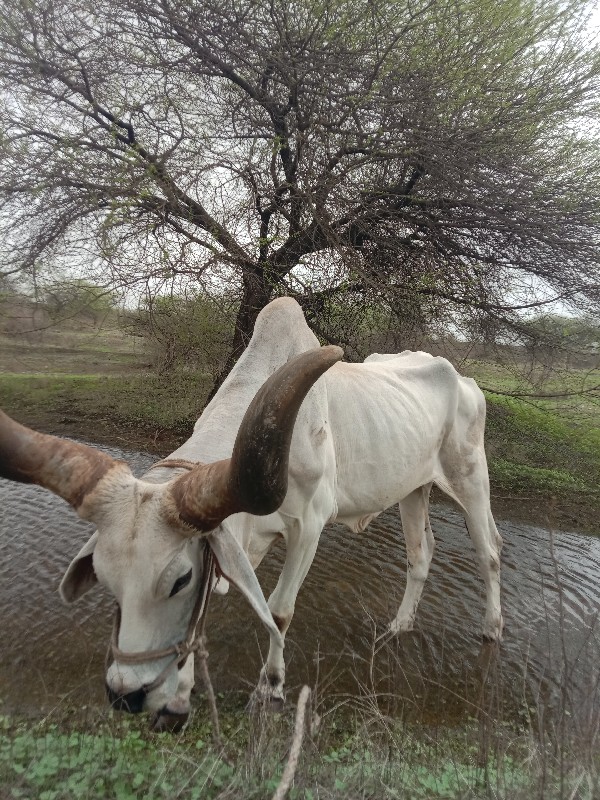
129, 410
345, 755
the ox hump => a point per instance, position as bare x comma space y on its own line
408, 357
281, 329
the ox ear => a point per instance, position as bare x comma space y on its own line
80, 575
235, 566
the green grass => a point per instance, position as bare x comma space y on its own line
120, 405
541, 449
347, 756
544, 447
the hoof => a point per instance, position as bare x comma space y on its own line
263, 701
275, 705
166, 721
491, 638
493, 632
400, 627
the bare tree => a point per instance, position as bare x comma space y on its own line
431, 157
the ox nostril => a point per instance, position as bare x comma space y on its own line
132, 701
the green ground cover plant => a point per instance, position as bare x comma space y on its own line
346, 756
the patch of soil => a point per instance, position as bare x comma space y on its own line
552, 513
157, 442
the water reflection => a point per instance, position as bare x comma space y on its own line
551, 599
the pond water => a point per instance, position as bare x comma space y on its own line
549, 658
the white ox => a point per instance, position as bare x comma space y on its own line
366, 436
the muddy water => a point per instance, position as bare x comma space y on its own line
551, 595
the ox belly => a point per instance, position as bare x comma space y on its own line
387, 429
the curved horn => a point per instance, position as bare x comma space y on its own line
255, 478
68, 469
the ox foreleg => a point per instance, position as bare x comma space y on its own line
419, 550
301, 544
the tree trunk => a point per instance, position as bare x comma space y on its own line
256, 295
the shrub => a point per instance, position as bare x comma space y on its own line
187, 331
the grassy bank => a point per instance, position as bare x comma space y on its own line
138, 410
346, 754
544, 452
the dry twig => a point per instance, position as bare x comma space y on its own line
292, 762
210, 698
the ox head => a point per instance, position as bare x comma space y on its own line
152, 540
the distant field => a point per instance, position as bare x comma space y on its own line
97, 383
69, 350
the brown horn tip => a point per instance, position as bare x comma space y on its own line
69, 469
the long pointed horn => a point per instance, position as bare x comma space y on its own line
69, 469
255, 478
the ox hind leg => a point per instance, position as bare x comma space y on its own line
472, 492
419, 550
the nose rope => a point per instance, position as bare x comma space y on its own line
194, 641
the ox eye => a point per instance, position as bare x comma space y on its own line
181, 582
